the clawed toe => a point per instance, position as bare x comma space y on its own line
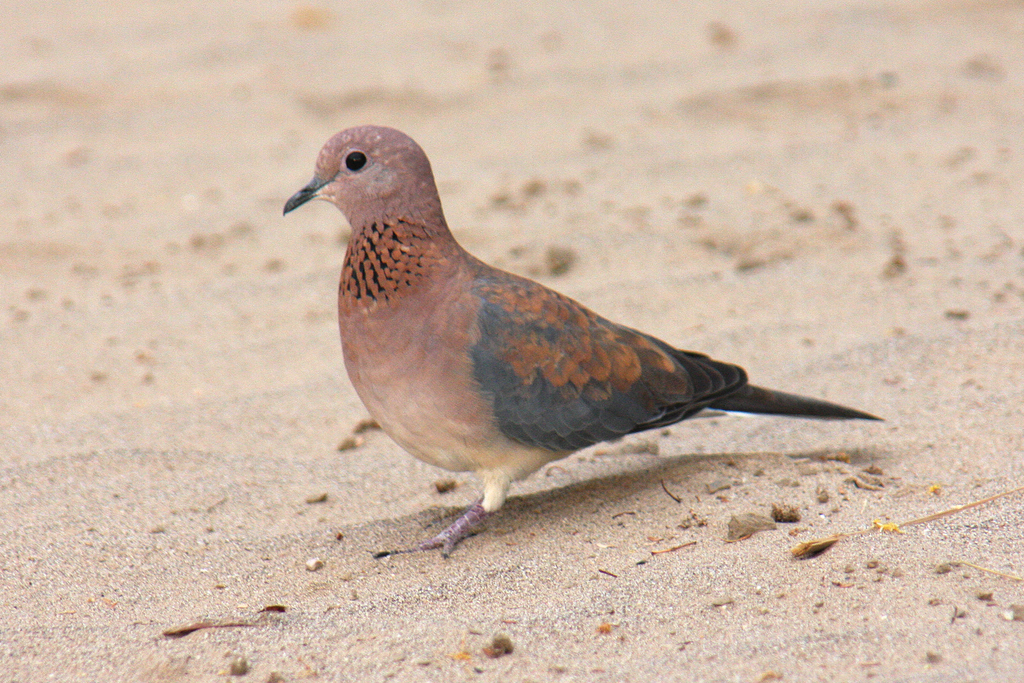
450, 537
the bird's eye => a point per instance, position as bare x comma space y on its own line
355, 161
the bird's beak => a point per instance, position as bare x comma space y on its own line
310, 191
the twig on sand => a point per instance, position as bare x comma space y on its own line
819, 545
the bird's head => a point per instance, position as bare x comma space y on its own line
374, 174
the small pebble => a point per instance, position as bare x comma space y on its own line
239, 666
801, 214
896, 266
314, 564
317, 498
932, 657
559, 260
984, 595
943, 568
846, 212
500, 646
822, 494
1015, 613
697, 200
786, 514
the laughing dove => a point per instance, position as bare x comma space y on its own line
470, 368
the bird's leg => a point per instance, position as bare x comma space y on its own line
450, 537
459, 529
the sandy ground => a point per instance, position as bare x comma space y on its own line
828, 194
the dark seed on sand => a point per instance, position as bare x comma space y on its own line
445, 485
809, 549
366, 425
349, 443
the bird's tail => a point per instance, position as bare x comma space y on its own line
753, 399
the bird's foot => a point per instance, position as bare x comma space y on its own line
450, 537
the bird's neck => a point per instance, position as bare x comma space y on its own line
390, 258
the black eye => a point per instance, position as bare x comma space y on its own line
355, 161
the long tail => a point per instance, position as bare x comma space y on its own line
753, 399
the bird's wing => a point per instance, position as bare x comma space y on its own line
561, 377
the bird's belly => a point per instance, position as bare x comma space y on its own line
420, 389
411, 414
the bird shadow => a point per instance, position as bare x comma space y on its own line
688, 475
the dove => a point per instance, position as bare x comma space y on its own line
471, 368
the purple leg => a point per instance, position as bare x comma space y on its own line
450, 537
459, 529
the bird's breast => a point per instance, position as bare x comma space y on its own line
408, 359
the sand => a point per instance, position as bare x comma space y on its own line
825, 193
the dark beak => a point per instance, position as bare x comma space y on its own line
310, 191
